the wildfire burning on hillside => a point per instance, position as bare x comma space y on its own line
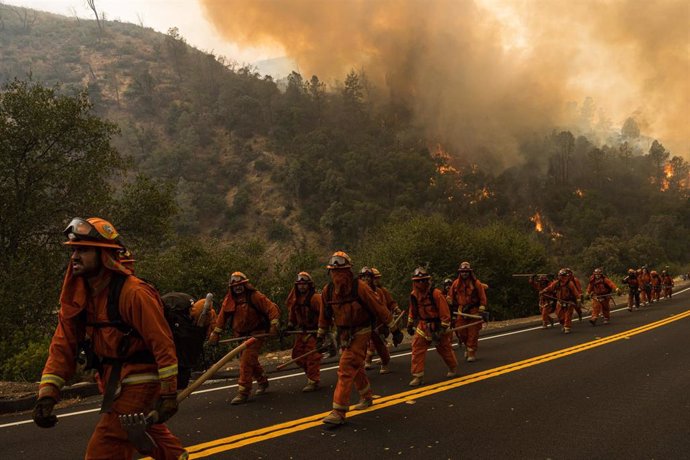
487, 73
538, 225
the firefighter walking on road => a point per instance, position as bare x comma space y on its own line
667, 283
249, 312
546, 305
303, 306
121, 319
568, 296
378, 343
430, 313
469, 298
633, 284
352, 306
600, 289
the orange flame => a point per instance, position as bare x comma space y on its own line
668, 173
538, 226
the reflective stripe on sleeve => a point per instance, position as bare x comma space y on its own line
53, 379
169, 371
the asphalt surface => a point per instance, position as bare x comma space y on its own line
615, 391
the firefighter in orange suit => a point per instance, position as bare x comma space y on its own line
655, 279
578, 307
130, 344
383, 331
430, 313
645, 279
249, 312
633, 289
377, 344
568, 296
468, 297
546, 305
304, 306
350, 304
600, 289
667, 283
210, 318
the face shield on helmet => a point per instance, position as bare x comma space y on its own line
366, 273
237, 282
93, 231
421, 275
465, 270
339, 259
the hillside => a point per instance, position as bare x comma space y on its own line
179, 110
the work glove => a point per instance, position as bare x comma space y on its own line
482, 308
213, 338
397, 337
320, 339
166, 407
410, 330
43, 412
618, 292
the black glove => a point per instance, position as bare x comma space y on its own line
397, 337
166, 407
43, 412
410, 330
319, 341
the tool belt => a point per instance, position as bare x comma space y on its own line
347, 334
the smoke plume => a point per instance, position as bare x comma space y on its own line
482, 74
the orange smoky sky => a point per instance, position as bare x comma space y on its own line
482, 74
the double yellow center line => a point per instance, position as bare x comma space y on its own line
250, 437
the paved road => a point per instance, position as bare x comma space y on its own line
616, 391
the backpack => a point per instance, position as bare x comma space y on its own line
188, 337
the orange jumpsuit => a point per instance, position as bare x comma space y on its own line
667, 282
245, 319
645, 280
140, 382
567, 295
468, 295
633, 291
430, 316
600, 305
546, 306
303, 312
578, 286
656, 286
377, 344
353, 315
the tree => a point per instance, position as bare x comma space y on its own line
630, 129
56, 162
92, 5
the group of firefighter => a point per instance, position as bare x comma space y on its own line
564, 296
119, 320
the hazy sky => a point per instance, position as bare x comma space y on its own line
160, 15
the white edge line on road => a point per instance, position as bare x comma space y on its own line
330, 368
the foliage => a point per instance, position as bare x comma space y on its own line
495, 252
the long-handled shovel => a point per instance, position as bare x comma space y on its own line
246, 337
136, 424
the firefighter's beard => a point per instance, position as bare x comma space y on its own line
342, 282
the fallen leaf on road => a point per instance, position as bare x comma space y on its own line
411, 402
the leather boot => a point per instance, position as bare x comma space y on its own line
416, 381
261, 389
241, 398
311, 386
334, 418
364, 403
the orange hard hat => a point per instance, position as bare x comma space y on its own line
304, 278
376, 272
420, 273
238, 278
339, 259
93, 231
